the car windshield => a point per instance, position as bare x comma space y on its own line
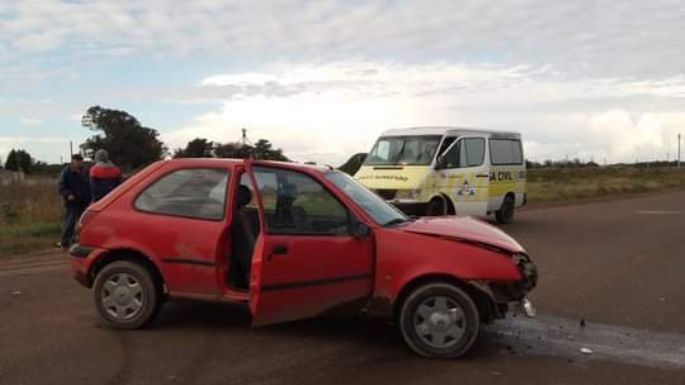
381, 212
403, 150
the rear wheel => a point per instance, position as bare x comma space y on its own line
126, 295
439, 320
506, 213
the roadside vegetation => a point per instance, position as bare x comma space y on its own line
567, 185
30, 213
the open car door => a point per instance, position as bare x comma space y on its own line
305, 260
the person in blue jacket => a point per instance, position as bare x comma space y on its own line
104, 175
74, 188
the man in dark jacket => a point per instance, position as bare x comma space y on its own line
104, 176
74, 188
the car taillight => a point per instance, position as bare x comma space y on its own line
86, 217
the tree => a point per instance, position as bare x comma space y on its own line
128, 142
263, 149
19, 160
196, 148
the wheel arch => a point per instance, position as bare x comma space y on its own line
481, 296
448, 202
125, 254
511, 194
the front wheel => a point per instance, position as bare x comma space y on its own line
126, 295
436, 207
505, 214
439, 320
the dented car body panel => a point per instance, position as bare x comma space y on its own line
290, 275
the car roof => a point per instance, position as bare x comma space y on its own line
200, 162
448, 130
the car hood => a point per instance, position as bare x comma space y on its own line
464, 229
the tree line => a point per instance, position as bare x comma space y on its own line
132, 145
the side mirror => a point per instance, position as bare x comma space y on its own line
359, 229
441, 162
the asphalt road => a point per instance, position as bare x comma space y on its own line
618, 264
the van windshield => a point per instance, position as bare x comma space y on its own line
403, 150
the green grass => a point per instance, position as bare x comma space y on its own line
24, 238
30, 215
555, 185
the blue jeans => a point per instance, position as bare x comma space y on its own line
71, 216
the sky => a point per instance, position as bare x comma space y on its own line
600, 80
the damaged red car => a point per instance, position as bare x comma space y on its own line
293, 241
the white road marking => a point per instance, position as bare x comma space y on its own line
657, 212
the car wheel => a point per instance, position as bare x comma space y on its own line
506, 213
439, 320
436, 207
126, 295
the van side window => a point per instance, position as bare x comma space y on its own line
468, 152
296, 204
194, 193
505, 152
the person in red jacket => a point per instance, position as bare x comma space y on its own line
104, 175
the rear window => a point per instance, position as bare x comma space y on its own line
505, 152
194, 193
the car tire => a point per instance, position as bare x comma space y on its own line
436, 207
126, 294
505, 214
439, 320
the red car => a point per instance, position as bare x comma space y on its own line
293, 241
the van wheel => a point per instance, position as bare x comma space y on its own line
439, 320
505, 214
126, 295
436, 207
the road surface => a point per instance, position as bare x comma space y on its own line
620, 265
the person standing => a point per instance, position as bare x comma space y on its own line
104, 175
74, 188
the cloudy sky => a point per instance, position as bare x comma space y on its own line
321, 79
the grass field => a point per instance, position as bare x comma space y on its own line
30, 211
568, 185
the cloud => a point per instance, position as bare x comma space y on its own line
322, 79
331, 111
581, 38
30, 121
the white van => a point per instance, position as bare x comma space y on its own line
447, 171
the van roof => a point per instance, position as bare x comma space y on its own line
449, 130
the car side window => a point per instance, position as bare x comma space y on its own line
295, 203
194, 193
467, 152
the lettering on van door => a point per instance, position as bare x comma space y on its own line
501, 176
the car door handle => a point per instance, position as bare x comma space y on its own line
279, 250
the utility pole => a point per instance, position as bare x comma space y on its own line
679, 150
71, 149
